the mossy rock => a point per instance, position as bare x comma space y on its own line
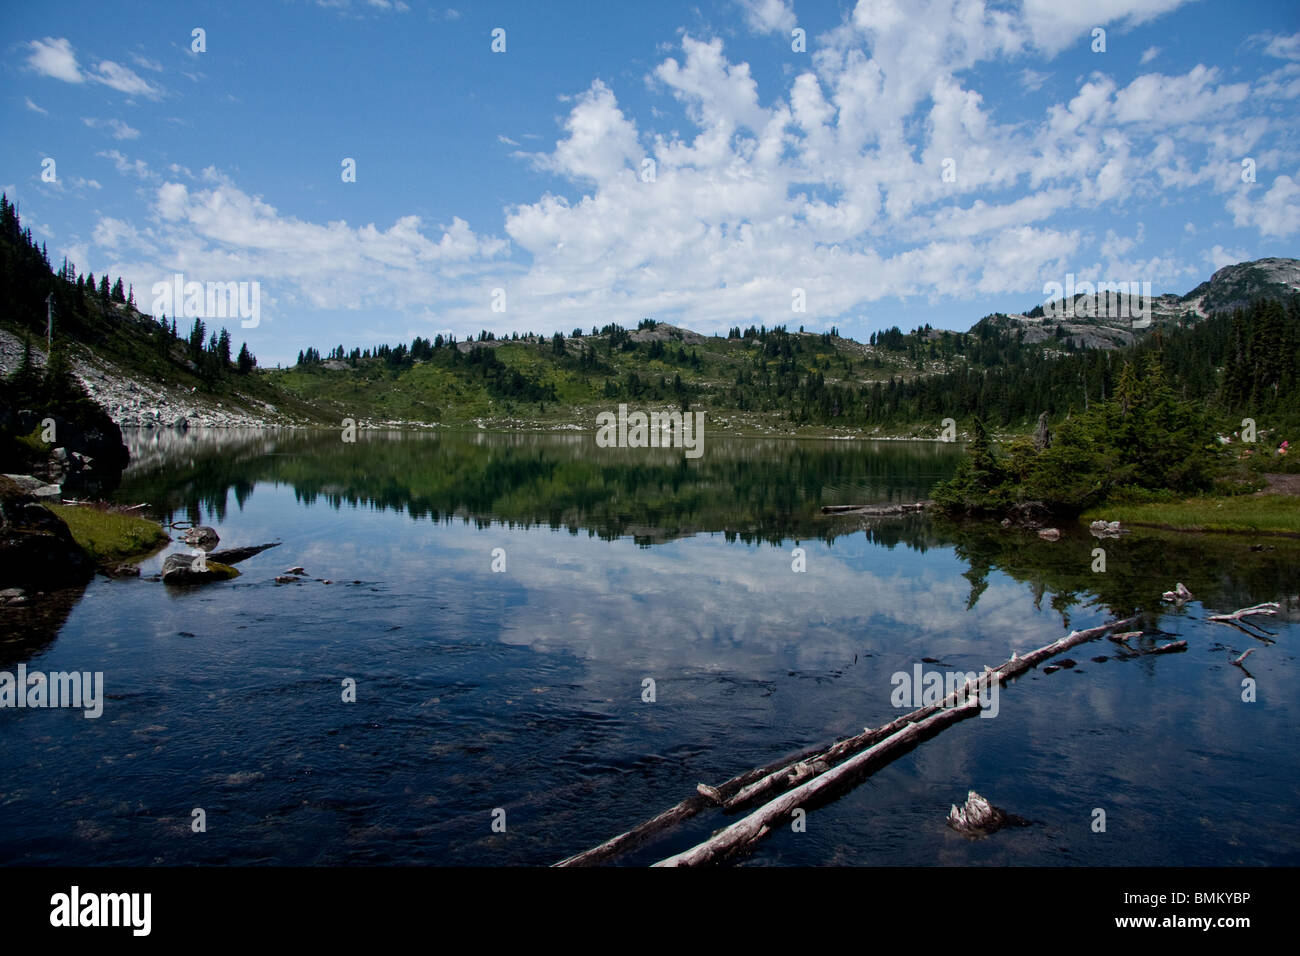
180, 569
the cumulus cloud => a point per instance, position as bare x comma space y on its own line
878, 170
1167, 100
1218, 257
222, 233
1275, 213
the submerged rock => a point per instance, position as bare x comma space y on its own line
1050, 534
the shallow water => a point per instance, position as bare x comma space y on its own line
523, 689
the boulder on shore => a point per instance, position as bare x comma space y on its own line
36, 548
36, 487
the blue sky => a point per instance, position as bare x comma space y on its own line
774, 169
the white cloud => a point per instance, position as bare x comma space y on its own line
1032, 80
1054, 25
1149, 54
54, 57
832, 184
34, 108
222, 231
1218, 257
600, 142
1277, 213
124, 79
768, 16
1167, 100
119, 129
127, 167
1282, 47
113, 234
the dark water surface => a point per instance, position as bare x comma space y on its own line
522, 689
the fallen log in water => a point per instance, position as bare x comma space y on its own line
1268, 607
233, 555
1238, 620
784, 773
874, 509
704, 798
759, 823
1169, 648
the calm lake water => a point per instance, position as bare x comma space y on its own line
522, 689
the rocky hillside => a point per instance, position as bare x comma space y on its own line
1113, 321
133, 400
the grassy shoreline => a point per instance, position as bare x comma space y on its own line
1270, 514
107, 536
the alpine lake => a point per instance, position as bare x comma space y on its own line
507, 648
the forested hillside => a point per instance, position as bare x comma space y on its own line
1239, 363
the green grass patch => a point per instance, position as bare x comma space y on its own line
107, 536
1263, 514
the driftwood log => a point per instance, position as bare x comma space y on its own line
233, 555
1169, 648
704, 798
817, 761
1238, 620
1268, 607
874, 509
759, 823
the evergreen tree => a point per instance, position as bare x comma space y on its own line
223, 349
